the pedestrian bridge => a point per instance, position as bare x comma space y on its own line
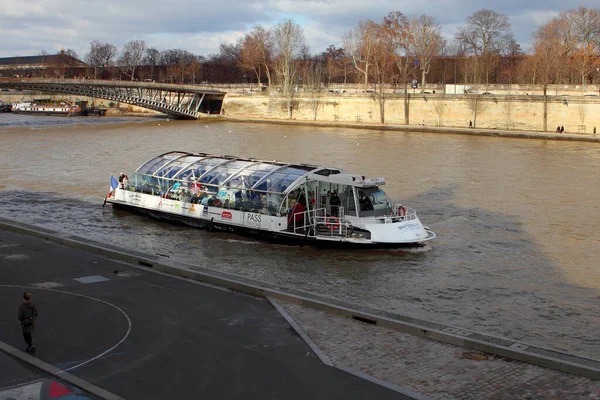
183, 101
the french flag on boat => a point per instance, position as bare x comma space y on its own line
113, 185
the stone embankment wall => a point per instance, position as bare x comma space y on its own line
578, 114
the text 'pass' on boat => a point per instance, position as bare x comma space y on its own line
289, 202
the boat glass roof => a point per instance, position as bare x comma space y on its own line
226, 171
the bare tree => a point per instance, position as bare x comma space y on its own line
256, 52
359, 44
476, 105
439, 105
288, 38
63, 63
486, 35
132, 55
44, 62
585, 24
547, 59
230, 52
332, 59
427, 42
100, 56
382, 60
582, 110
315, 103
289, 44
179, 64
151, 59
396, 33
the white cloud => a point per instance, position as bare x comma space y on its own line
200, 26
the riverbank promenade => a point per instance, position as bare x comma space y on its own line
112, 328
567, 136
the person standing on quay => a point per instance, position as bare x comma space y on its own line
27, 315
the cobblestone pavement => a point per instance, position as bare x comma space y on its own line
433, 369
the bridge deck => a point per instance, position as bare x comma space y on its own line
184, 101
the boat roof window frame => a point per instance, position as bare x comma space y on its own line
239, 171
227, 167
163, 157
225, 161
261, 180
282, 171
187, 167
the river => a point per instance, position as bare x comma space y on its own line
517, 220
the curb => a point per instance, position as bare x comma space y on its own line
58, 373
486, 343
313, 346
327, 361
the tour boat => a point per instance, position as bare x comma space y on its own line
40, 108
294, 203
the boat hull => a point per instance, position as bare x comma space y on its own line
214, 221
49, 113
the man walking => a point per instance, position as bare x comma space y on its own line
27, 315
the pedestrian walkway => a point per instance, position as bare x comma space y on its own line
577, 137
434, 369
118, 296
138, 334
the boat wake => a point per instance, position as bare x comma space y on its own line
242, 241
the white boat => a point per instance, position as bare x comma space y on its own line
286, 202
63, 108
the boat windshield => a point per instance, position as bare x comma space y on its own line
373, 202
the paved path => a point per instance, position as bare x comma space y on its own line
577, 137
434, 369
144, 335
171, 337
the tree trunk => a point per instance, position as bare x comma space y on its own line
382, 108
545, 109
406, 110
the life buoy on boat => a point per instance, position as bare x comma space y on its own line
401, 211
332, 223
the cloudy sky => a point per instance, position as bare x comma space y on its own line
29, 26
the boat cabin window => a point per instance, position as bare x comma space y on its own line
144, 184
348, 203
373, 202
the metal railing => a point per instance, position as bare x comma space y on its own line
317, 223
407, 214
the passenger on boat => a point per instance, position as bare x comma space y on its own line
264, 210
335, 203
365, 202
123, 180
297, 214
238, 199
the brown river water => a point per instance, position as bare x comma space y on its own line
517, 220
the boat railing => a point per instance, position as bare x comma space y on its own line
317, 223
399, 214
